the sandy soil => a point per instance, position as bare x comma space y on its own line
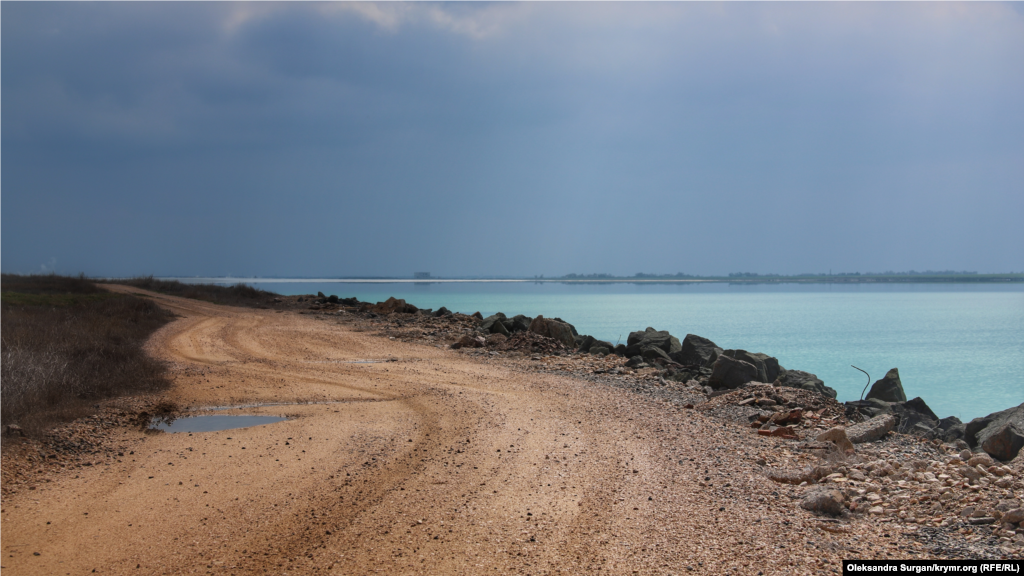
426, 461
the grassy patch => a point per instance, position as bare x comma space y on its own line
52, 300
237, 295
66, 343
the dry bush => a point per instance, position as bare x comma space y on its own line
65, 344
237, 295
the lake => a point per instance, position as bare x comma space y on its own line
958, 346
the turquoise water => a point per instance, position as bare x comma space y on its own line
958, 346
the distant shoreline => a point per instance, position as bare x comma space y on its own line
864, 279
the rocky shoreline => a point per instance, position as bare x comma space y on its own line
885, 466
958, 486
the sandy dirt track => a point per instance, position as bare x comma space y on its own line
426, 462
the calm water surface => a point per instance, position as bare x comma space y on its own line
958, 346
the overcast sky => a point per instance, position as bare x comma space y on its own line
511, 139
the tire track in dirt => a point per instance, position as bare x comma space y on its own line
432, 463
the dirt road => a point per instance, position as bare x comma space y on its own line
423, 461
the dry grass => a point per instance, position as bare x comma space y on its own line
237, 295
65, 343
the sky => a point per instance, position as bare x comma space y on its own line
510, 139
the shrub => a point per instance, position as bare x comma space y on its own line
237, 295
64, 344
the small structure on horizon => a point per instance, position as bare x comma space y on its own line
421, 275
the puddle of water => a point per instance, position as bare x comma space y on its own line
214, 423
343, 361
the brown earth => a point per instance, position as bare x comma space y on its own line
424, 461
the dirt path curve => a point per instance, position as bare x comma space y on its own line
423, 461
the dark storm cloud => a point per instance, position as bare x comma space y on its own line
342, 139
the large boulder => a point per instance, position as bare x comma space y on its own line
519, 323
696, 351
571, 327
756, 360
728, 373
1000, 434
652, 353
1004, 443
916, 418
493, 325
651, 338
559, 331
804, 381
951, 429
584, 343
589, 343
889, 388
772, 369
393, 305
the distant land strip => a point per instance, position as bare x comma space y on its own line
652, 279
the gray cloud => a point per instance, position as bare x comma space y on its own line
323, 139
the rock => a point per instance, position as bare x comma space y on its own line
1015, 516
871, 430
600, 350
757, 360
889, 388
823, 501
982, 459
916, 418
393, 305
477, 315
970, 473
637, 342
918, 405
495, 339
587, 343
470, 341
571, 327
837, 436
1005, 443
804, 381
635, 361
979, 430
729, 373
493, 325
519, 323
442, 311
696, 351
320, 295
951, 429
554, 329
13, 430
1007, 505
620, 349
333, 299
653, 353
